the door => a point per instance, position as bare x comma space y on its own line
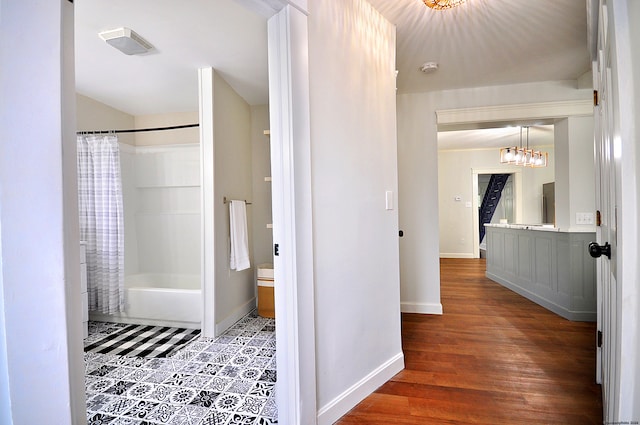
616, 77
607, 164
606, 234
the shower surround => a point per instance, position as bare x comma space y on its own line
161, 190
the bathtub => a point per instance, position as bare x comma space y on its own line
159, 300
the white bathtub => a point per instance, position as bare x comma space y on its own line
159, 300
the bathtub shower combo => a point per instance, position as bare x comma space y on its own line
159, 300
161, 186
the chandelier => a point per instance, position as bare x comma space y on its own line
523, 155
443, 4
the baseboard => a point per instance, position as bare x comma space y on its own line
421, 308
236, 315
576, 316
346, 401
456, 255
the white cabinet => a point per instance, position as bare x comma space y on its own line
83, 289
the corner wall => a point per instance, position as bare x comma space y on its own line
575, 171
261, 168
234, 291
353, 164
40, 273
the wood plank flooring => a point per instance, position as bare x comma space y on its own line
494, 357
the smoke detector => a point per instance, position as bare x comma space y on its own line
429, 67
126, 40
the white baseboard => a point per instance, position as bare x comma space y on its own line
236, 315
346, 401
421, 308
456, 255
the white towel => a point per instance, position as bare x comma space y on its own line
239, 257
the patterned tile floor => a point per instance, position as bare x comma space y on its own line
228, 380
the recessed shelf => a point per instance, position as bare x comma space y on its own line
267, 132
267, 179
269, 226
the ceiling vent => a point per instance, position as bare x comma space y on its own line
126, 40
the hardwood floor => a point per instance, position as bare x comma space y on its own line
494, 357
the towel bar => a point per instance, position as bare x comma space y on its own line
225, 201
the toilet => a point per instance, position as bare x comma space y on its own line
266, 305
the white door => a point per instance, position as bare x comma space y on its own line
606, 237
617, 74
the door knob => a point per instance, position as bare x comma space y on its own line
596, 251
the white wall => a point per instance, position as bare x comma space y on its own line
418, 173
234, 291
169, 137
632, 330
261, 168
575, 169
455, 169
353, 154
92, 115
41, 361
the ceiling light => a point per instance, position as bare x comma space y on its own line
429, 67
523, 155
443, 4
126, 40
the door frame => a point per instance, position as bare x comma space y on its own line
517, 194
612, 37
291, 208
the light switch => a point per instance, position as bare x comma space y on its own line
584, 218
467, 204
389, 199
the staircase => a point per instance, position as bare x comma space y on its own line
491, 200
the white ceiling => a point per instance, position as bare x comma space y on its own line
488, 42
187, 35
539, 135
481, 43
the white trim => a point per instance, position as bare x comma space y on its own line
236, 315
421, 308
457, 255
516, 112
340, 405
207, 229
292, 216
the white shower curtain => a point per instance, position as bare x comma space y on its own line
101, 220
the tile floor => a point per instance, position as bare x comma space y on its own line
228, 380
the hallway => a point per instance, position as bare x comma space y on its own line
493, 357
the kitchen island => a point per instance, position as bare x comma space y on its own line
547, 265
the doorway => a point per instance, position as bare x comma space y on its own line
496, 203
509, 208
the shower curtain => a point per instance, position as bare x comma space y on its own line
101, 220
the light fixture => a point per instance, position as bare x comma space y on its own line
126, 40
443, 4
429, 67
519, 155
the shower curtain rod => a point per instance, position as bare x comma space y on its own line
138, 130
